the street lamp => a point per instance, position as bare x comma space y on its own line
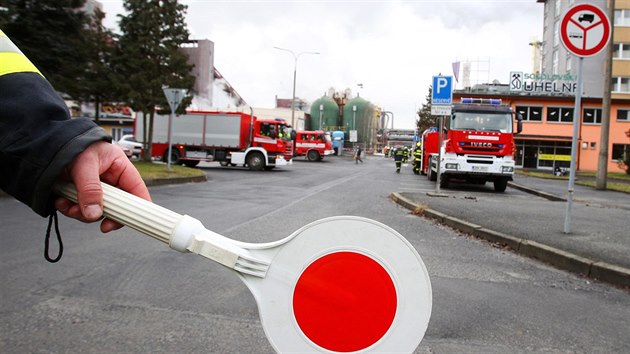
294, 79
321, 111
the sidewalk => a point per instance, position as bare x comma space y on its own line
598, 245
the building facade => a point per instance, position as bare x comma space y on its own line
556, 60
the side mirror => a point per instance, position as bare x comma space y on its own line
519, 123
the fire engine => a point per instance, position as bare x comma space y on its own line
478, 144
314, 144
231, 138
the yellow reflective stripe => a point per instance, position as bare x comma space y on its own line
15, 63
12, 60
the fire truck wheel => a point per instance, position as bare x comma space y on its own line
174, 156
191, 163
313, 155
223, 163
256, 161
444, 181
500, 184
432, 175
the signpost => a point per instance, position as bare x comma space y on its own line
174, 97
585, 31
441, 101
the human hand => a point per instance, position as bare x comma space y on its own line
105, 162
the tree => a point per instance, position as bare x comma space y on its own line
149, 57
50, 34
98, 82
425, 119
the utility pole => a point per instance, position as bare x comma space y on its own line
602, 160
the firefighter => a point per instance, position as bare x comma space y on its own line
399, 153
417, 158
386, 151
405, 154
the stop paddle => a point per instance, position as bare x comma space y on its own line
340, 284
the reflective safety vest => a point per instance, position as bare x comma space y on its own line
417, 154
12, 60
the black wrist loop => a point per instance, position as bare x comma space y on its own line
52, 217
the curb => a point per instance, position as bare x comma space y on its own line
545, 195
155, 182
558, 258
178, 180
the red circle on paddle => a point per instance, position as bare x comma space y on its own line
344, 301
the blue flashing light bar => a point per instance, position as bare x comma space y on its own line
482, 100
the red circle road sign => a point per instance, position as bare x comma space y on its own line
585, 30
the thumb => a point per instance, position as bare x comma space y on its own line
85, 175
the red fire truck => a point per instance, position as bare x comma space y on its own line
314, 144
231, 138
478, 144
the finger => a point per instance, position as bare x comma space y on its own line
108, 225
122, 174
85, 175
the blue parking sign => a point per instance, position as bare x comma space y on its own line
442, 92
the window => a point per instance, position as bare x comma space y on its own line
554, 64
569, 63
592, 116
622, 18
623, 114
620, 152
556, 33
530, 113
621, 51
559, 114
620, 84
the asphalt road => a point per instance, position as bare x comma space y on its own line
125, 292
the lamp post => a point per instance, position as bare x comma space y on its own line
296, 57
321, 111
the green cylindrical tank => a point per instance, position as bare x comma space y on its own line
358, 118
329, 114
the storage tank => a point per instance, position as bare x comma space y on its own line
329, 113
357, 114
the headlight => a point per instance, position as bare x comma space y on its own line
507, 169
451, 166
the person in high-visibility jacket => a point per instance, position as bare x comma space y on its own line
417, 158
40, 144
405, 154
399, 154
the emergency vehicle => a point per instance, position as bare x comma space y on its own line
231, 138
314, 144
478, 144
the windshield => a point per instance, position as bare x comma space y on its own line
285, 131
495, 122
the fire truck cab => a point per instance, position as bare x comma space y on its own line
478, 145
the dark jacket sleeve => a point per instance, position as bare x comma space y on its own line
38, 139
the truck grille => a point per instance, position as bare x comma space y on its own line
480, 159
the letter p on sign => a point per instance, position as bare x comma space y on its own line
442, 93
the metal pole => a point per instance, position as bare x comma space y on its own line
576, 123
293, 100
321, 111
439, 161
170, 128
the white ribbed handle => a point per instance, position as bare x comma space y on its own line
181, 232
130, 210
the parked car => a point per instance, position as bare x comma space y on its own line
128, 141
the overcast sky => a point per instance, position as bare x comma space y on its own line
393, 48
